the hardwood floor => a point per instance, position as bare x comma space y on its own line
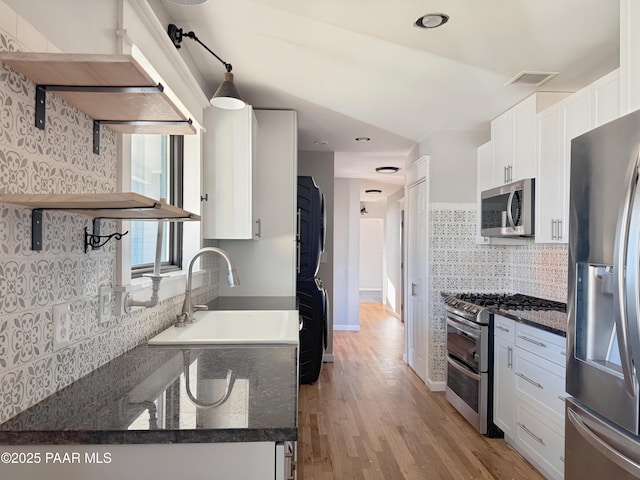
370, 417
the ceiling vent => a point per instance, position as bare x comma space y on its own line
531, 79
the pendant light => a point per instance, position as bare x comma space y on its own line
226, 96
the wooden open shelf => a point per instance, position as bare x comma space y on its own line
122, 206
114, 90
125, 206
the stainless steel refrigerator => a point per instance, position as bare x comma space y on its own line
602, 417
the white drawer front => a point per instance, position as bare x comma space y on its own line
546, 344
539, 441
504, 328
540, 382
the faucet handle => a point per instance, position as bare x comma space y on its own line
197, 308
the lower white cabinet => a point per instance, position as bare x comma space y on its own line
529, 392
286, 461
193, 461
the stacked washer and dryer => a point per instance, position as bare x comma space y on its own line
312, 296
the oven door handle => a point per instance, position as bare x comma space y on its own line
470, 330
463, 369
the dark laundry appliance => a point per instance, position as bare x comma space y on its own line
312, 296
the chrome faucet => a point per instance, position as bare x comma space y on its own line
186, 316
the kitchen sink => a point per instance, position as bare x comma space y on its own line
237, 327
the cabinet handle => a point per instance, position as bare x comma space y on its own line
413, 289
559, 229
530, 433
509, 357
504, 175
504, 329
561, 459
530, 340
510, 170
553, 229
259, 228
532, 382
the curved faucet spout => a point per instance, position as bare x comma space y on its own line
187, 307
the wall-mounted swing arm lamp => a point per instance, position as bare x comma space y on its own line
227, 96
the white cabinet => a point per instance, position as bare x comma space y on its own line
503, 377
229, 174
605, 99
286, 462
557, 126
529, 392
514, 134
268, 267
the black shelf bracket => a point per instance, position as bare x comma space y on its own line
95, 240
41, 107
36, 229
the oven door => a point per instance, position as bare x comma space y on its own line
467, 343
467, 365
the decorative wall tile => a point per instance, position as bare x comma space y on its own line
59, 159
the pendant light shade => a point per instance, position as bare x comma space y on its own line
227, 96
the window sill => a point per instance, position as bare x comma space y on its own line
171, 285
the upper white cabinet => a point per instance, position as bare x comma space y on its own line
229, 174
268, 267
514, 134
557, 126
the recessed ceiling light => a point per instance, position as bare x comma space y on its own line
363, 139
431, 20
320, 142
387, 169
373, 191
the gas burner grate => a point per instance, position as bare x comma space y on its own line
509, 301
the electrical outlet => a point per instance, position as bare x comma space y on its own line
104, 307
62, 325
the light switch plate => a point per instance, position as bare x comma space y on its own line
104, 307
62, 318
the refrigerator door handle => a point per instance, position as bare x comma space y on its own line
621, 277
601, 446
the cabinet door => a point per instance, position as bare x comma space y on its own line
229, 173
551, 181
483, 182
605, 99
524, 163
503, 378
502, 141
576, 121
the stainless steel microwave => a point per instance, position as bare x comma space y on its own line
509, 210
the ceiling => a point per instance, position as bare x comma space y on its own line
359, 68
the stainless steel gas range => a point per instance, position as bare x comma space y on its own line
470, 351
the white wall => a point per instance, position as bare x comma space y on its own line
346, 241
371, 253
453, 165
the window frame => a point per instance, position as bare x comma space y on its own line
176, 197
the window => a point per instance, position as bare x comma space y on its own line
156, 172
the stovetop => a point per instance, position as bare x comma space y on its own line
507, 301
477, 307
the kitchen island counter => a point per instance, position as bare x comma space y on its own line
141, 398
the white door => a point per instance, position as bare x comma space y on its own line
417, 278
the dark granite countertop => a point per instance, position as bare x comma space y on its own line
141, 396
550, 320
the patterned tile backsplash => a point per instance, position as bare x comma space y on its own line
58, 160
458, 265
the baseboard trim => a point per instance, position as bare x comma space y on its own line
391, 312
351, 328
436, 386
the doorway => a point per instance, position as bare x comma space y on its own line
371, 259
